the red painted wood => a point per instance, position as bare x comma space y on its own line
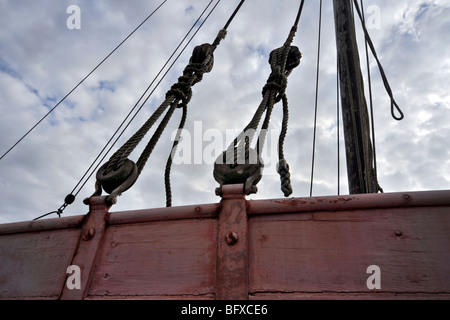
90, 240
330, 252
33, 265
232, 246
351, 202
42, 225
349, 296
164, 214
300, 248
156, 259
209, 296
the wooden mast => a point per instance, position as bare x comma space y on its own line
359, 151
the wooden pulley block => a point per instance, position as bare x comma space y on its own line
247, 171
123, 177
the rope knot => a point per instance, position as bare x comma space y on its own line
202, 59
282, 61
220, 36
285, 177
181, 91
277, 82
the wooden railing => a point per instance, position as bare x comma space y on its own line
379, 246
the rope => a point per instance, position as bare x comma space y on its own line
82, 80
86, 177
338, 129
137, 103
295, 26
375, 166
180, 93
316, 101
394, 105
170, 159
282, 61
178, 96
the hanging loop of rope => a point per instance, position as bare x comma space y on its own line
394, 105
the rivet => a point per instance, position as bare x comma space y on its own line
398, 233
232, 238
89, 234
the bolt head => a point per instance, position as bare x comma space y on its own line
231, 238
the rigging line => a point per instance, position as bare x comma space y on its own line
87, 76
233, 15
370, 102
165, 74
179, 95
380, 67
316, 100
139, 100
295, 26
154, 89
59, 211
338, 129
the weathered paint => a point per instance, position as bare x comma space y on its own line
299, 248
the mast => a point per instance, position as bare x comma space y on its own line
358, 145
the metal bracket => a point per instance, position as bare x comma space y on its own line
116, 181
248, 173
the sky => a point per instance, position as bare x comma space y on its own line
46, 49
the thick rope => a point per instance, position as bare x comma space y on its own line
178, 96
394, 105
170, 159
273, 92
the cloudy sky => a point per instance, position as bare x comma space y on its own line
41, 60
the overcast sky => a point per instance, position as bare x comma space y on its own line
41, 60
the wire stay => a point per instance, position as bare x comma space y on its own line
82, 80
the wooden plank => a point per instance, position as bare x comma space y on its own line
163, 214
232, 246
349, 202
33, 265
333, 254
158, 258
348, 296
42, 225
89, 242
209, 296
